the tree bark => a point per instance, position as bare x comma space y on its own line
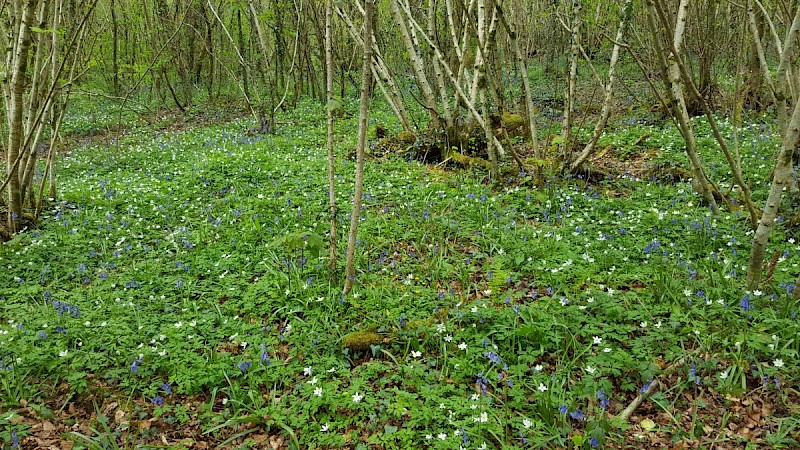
605, 111
16, 109
329, 109
417, 64
363, 114
670, 74
790, 133
569, 95
522, 70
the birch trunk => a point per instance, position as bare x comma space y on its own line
366, 81
448, 115
381, 73
456, 86
734, 162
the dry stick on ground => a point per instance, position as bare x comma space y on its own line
366, 81
625, 415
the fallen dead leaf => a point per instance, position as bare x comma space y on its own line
647, 424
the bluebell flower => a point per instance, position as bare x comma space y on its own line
482, 382
14, 439
604, 401
158, 400
135, 365
563, 409
745, 303
243, 366
593, 442
493, 357
264, 355
577, 415
167, 388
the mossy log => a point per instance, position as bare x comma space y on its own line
361, 340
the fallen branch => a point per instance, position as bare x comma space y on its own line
625, 415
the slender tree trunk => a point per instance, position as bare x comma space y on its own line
366, 81
243, 52
448, 115
572, 78
605, 111
670, 74
460, 93
480, 83
381, 73
703, 102
114, 48
522, 70
329, 109
417, 64
789, 126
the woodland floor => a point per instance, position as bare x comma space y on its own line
177, 296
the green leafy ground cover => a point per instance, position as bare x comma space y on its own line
176, 296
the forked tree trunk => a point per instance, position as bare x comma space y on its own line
363, 115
